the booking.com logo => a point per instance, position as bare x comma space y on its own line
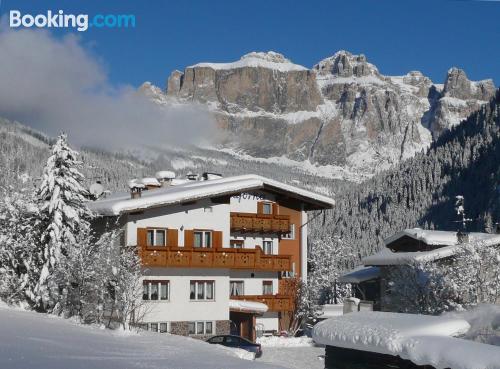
82, 22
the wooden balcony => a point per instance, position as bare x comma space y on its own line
288, 286
260, 223
213, 258
275, 303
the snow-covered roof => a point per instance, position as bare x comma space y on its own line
360, 274
422, 339
248, 306
269, 60
387, 257
196, 190
150, 181
445, 238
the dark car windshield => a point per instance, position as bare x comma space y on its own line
218, 339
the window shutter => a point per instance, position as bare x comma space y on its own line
142, 237
260, 208
172, 237
275, 208
217, 239
188, 238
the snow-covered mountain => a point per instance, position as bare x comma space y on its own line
342, 114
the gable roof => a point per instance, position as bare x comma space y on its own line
387, 257
196, 190
430, 237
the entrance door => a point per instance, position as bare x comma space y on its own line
243, 324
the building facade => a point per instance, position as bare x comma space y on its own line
219, 255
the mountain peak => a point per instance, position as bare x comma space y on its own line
345, 64
270, 56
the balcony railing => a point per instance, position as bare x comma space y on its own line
275, 303
260, 223
213, 258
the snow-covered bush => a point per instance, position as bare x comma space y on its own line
469, 278
17, 213
305, 307
329, 258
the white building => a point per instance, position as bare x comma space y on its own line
219, 254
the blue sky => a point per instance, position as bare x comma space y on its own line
397, 36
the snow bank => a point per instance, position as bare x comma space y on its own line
484, 321
425, 340
383, 332
31, 340
275, 341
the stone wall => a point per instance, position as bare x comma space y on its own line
181, 328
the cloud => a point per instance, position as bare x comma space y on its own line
57, 85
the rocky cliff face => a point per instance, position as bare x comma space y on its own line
343, 112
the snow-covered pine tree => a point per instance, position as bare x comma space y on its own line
63, 215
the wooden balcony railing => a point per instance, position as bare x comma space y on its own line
213, 258
288, 286
275, 303
260, 223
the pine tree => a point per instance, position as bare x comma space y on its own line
62, 216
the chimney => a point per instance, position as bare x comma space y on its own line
165, 177
462, 237
136, 188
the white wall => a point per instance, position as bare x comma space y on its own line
303, 247
253, 285
247, 202
180, 307
269, 320
250, 240
182, 216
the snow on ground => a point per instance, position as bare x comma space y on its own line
30, 340
275, 341
292, 352
310, 357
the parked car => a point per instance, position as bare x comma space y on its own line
237, 342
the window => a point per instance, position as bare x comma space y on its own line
200, 327
201, 290
267, 247
164, 327
155, 327
156, 237
202, 239
236, 244
267, 208
236, 288
155, 290
267, 287
290, 235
